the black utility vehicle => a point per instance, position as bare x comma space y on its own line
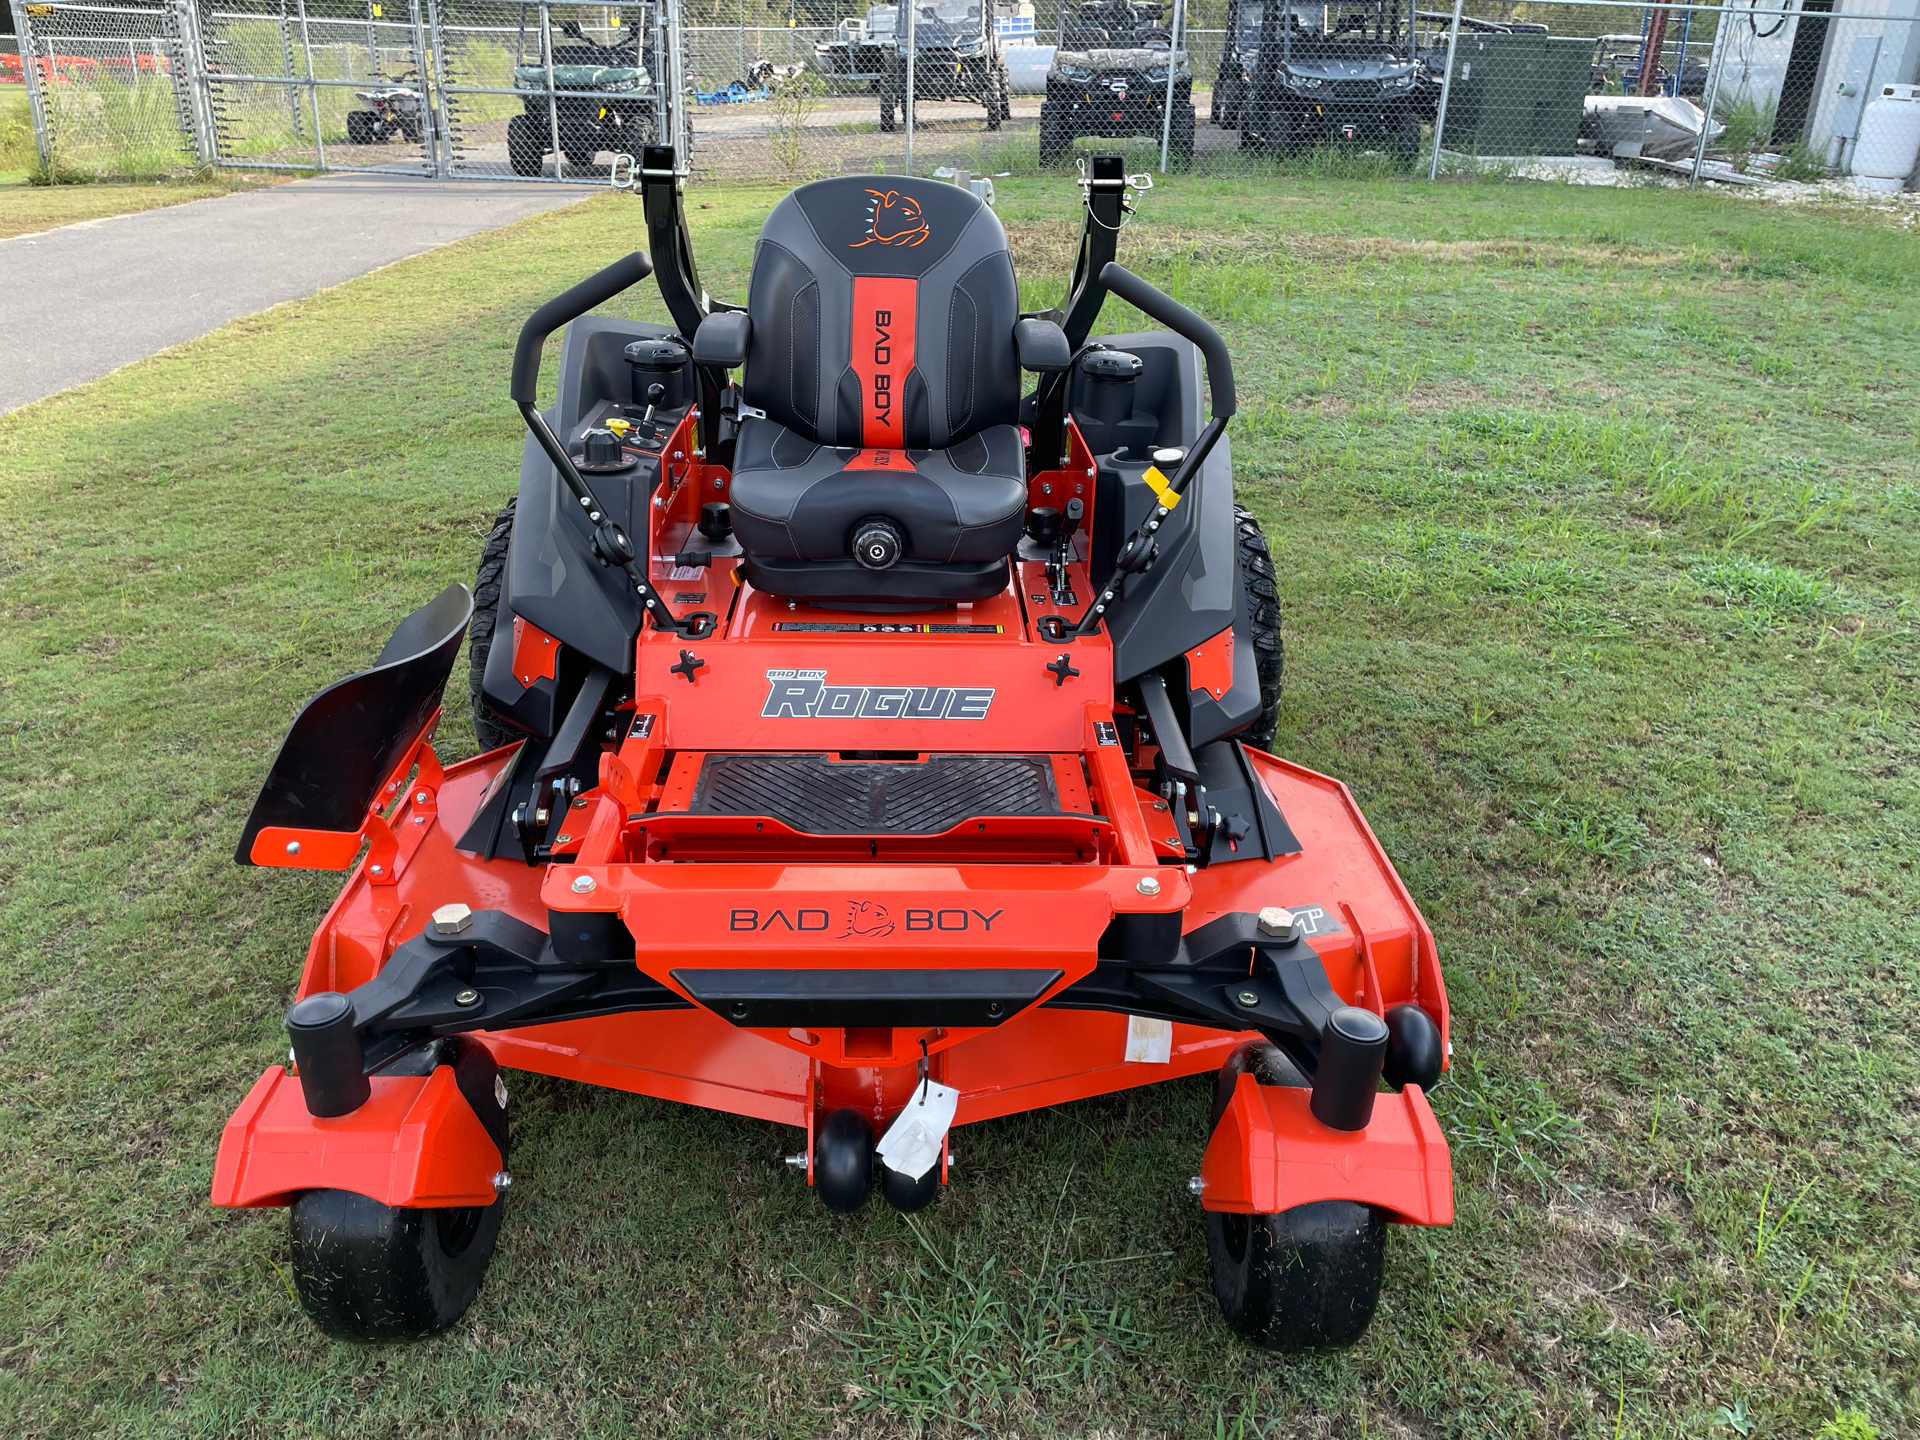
602, 99
956, 57
1109, 78
1302, 72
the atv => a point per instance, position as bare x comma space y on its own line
592, 97
869, 748
956, 56
1327, 71
395, 109
1109, 78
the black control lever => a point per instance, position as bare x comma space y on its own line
1137, 550
611, 543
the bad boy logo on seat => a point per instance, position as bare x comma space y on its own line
805, 695
893, 219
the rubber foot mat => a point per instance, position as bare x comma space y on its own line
821, 796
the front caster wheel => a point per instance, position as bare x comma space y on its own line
367, 1271
1305, 1279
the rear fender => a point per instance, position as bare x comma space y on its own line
416, 1142
1269, 1154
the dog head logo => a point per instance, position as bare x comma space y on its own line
892, 219
867, 918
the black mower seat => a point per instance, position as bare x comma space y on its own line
881, 351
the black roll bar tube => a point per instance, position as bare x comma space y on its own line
610, 542
1137, 550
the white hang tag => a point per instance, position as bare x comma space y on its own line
1149, 1042
911, 1146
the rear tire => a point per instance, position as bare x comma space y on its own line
489, 731
1406, 141
1180, 141
1054, 140
361, 126
1260, 613
526, 150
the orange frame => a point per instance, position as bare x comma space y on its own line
952, 900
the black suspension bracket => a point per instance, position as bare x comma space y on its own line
469, 970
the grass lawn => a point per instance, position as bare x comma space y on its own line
26, 208
1598, 520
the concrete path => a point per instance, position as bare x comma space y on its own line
84, 299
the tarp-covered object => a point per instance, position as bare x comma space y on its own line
1660, 127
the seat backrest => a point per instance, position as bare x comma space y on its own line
883, 311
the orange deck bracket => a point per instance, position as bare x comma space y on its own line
1269, 1154
416, 1141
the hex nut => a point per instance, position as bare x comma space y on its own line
1278, 922
467, 998
452, 919
1148, 885
583, 884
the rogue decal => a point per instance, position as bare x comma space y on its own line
805, 695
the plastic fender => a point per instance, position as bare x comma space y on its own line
1269, 1154
416, 1142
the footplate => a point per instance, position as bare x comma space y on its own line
819, 795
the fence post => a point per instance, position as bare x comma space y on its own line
286, 65
1712, 97
313, 90
193, 60
36, 101
1173, 74
908, 6
431, 121
1446, 93
553, 105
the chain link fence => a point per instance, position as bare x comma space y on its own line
1747, 92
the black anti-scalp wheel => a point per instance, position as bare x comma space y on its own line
372, 1272
843, 1161
906, 1194
1307, 1278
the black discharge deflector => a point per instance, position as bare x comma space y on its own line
348, 739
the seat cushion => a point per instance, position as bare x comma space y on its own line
795, 500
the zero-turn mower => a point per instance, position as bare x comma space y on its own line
870, 748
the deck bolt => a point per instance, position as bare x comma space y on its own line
376, 869
452, 919
797, 1162
293, 847
563, 839
421, 797
467, 998
1278, 922
1248, 998
1148, 885
582, 884
1196, 1185
502, 1181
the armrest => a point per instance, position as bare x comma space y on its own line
721, 340
1041, 345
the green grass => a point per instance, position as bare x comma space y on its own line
1597, 526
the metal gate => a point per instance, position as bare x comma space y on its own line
312, 84
554, 89
107, 87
